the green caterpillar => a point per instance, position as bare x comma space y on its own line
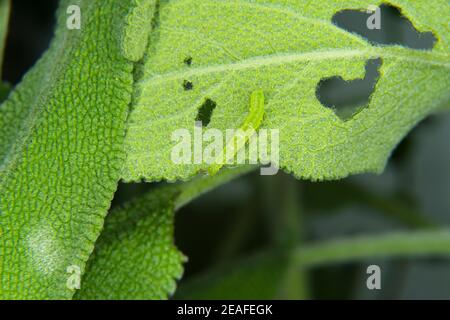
253, 121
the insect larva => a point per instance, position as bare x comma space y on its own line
252, 121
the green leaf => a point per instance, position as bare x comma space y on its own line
138, 25
4, 21
61, 139
135, 257
284, 48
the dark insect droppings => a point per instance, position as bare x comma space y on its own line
188, 61
187, 85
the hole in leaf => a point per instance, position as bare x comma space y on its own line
395, 28
187, 85
205, 112
347, 98
188, 61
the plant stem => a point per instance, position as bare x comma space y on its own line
193, 189
420, 243
290, 235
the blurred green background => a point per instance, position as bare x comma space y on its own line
236, 237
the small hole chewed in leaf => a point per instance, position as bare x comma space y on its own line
188, 61
395, 29
347, 98
205, 112
187, 85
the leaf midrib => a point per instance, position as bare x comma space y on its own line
432, 59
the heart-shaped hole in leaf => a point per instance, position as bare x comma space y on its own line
348, 98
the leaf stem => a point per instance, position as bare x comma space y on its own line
193, 189
399, 244
285, 218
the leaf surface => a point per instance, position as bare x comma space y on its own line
284, 48
135, 257
61, 139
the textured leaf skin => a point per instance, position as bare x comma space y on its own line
137, 29
58, 180
284, 48
135, 257
18, 113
